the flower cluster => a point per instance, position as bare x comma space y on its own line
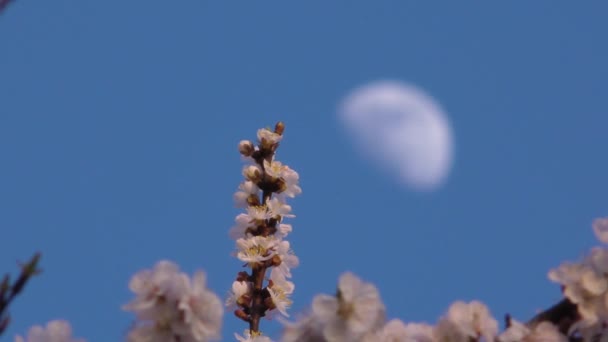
260, 232
55, 331
542, 332
585, 284
356, 313
171, 307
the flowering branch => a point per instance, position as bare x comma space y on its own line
260, 233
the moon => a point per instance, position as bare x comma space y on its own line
401, 129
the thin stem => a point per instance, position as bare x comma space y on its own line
257, 274
8, 291
257, 307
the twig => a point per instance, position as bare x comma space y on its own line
9, 291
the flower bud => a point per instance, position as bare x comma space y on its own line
279, 128
242, 276
276, 260
281, 185
253, 200
242, 315
246, 148
244, 301
253, 173
268, 140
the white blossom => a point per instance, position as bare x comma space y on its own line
247, 337
414, 332
201, 310
253, 172
55, 331
246, 189
240, 294
585, 283
397, 331
256, 248
278, 208
307, 328
151, 332
288, 259
258, 213
584, 287
542, 332
465, 321
268, 137
274, 168
600, 227
156, 291
291, 179
356, 310
280, 290
598, 260
169, 305
283, 230
243, 221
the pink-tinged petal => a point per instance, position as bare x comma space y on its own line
600, 227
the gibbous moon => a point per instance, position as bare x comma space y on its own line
401, 129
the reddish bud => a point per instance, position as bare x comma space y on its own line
279, 128
242, 315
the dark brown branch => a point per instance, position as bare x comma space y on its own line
258, 308
9, 291
562, 315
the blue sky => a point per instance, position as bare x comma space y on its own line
119, 123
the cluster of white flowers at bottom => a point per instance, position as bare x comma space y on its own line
171, 307
542, 332
395, 331
585, 284
356, 314
466, 321
351, 315
55, 331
